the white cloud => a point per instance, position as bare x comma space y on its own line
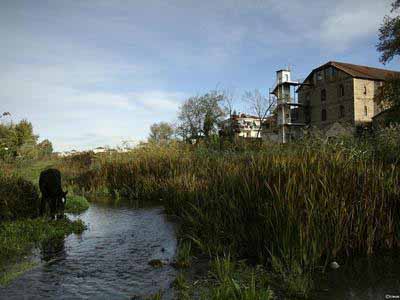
351, 21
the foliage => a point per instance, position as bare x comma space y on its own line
199, 116
160, 132
19, 140
294, 207
45, 148
14, 271
183, 258
389, 36
76, 204
389, 93
259, 104
17, 237
19, 198
255, 202
237, 282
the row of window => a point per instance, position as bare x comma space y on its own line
340, 92
341, 112
327, 73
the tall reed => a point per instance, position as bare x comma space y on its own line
303, 203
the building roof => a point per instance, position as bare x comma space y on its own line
366, 72
358, 71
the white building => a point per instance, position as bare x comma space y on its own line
242, 125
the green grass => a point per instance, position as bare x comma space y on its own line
76, 204
236, 281
292, 207
183, 257
30, 170
15, 271
18, 237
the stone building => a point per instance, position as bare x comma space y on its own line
341, 92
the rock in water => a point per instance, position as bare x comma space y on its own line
334, 265
156, 263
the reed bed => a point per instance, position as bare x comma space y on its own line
303, 204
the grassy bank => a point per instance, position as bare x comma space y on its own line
17, 238
290, 207
76, 204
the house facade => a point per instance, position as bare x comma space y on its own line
341, 92
241, 125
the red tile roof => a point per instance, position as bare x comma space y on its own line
363, 71
357, 71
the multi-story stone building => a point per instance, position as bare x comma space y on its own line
341, 92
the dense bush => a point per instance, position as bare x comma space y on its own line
19, 198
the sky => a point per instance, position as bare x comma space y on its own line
96, 73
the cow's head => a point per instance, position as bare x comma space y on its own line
64, 196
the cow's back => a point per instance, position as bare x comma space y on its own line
50, 182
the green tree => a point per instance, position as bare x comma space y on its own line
45, 148
24, 133
18, 139
389, 36
199, 116
160, 132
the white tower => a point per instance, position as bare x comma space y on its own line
285, 101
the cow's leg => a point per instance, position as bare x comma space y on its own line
42, 205
53, 208
60, 209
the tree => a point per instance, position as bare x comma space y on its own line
199, 116
389, 93
229, 103
45, 147
24, 133
259, 104
160, 132
388, 99
389, 36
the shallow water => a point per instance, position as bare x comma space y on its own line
362, 278
108, 261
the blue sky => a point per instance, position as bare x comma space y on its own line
95, 73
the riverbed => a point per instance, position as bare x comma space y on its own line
108, 261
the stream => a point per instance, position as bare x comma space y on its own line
108, 261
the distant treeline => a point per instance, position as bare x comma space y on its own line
19, 140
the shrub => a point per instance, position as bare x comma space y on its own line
19, 198
76, 204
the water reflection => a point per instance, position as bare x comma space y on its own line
362, 278
53, 249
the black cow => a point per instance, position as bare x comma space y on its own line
52, 193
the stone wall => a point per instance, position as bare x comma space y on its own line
364, 105
334, 100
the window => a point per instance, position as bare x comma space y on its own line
365, 89
333, 72
319, 75
323, 115
286, 77
341, 111
323, 95
327, 73
341, 90
365, 111
308, 97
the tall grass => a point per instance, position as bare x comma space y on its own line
303, 203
